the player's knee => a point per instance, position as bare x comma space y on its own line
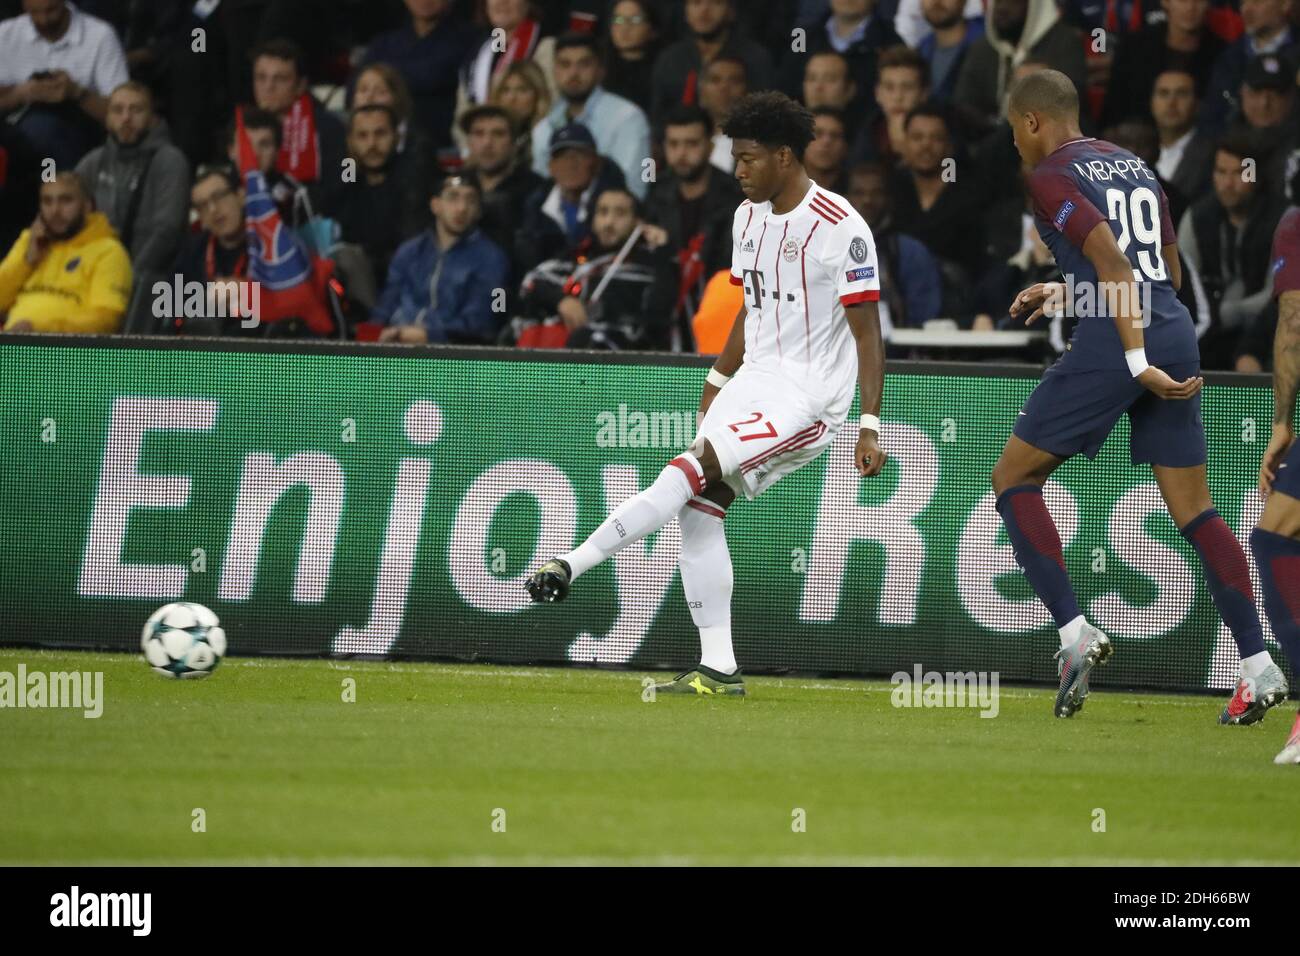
1008, 473
720, 494
1003, 477
708, 460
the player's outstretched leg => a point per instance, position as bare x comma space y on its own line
1277, 557
1037, 547
707, 580
1260, 683
642, 514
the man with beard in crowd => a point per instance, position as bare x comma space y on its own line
944, 50
492, 158
1227, 237
383, 206
634, 283
68, 272
690, 211
140, 181
618, 126
940, 209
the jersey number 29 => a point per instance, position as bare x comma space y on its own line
1138, 215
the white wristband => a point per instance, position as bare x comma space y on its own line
1137, 361
717, 379
870, 422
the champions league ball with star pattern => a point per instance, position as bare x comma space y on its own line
183, 640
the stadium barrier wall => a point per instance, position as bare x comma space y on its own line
333, 498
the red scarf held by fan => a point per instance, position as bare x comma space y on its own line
523, 41
266, 240
300, 146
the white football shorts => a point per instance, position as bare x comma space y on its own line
762, 429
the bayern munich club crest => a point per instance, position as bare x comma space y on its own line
858, 249
790, 250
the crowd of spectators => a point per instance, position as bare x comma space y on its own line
555, 174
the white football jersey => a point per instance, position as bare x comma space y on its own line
799, 271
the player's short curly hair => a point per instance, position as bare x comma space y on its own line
772, 119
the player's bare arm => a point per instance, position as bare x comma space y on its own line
728, 363
1039, 296
864, 321
1033, 301
1115, 274
1173, 265
1286, 381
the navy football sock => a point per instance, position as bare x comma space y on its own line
1037, 546
1228, 576
1278, 560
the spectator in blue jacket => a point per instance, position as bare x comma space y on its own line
448, 283
945, 48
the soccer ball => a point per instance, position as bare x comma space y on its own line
183, 640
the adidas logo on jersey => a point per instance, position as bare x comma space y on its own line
748, 246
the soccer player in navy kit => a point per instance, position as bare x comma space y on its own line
1106, 220
1275, 541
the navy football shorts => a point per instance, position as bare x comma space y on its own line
1288, 472
1073, 411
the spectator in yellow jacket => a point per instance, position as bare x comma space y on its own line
68, 272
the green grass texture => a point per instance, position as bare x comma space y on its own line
481, 764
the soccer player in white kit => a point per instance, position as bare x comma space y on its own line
780, 391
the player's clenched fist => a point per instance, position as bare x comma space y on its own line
868, 457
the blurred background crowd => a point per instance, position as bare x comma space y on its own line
554, 174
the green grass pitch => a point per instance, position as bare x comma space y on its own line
415, 770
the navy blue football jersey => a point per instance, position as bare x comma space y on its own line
1088, 181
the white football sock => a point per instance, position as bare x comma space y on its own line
1070, 633
640, 515
707, 580
1256, 664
